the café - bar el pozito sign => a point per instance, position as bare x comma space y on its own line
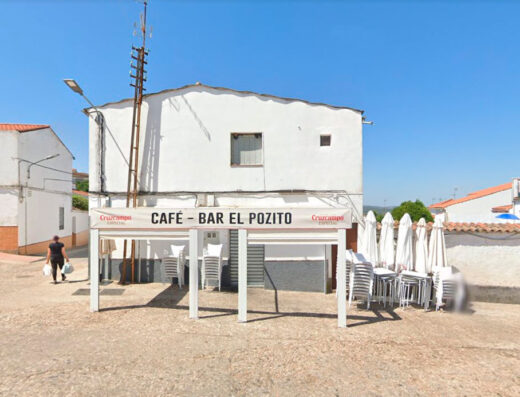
220, 218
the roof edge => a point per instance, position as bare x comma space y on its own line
230, 90
472, 196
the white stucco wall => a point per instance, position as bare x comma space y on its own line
8, 155
82, 220
47, 189
494, 265
516, 208
9, 178
8, 206
185, 145
479, 209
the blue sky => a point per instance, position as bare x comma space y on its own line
440, 80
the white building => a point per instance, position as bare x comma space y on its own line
36, 190
482, 206
209, 146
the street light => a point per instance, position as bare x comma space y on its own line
39, 161
73, 86
100, 121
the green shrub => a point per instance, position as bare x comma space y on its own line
416, 210
79, 202
82, 185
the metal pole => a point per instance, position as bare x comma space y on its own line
94, 270
341, 288
194, 274
242, 275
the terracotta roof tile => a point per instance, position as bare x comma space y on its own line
80, 193
502, 208
22, 127
474, 195
470, 227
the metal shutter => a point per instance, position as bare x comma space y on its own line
255, 262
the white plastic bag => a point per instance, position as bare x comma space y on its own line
67, 268
47, 270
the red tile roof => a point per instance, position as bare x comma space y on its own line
474, 195
22, 127
80, 193
502, 208
470, 227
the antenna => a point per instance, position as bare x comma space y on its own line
138, 74
455, 192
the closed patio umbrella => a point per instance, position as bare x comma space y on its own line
437, 256
404, 253
386, 242
421, 247
369, 242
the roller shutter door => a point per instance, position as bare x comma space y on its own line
255, 262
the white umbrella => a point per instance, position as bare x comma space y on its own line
437, 256
369, 242
360, 233
421, 247
404, 254
386, 242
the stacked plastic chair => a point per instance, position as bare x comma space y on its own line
212, 265
348, 266
448, 286
409, 290
385, 288
361, 280
174, 264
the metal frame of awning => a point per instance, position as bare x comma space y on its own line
245, 236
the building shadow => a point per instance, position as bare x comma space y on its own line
170, 297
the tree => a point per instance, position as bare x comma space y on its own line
379, 217
80, 202
82, 185
416, 211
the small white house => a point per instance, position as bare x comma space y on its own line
206, 146
481, 206
36, 190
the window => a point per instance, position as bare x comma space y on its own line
325, 140
246, 149
62, 218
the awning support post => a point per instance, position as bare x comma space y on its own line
242, 275
341, 287
94, 270
194, 274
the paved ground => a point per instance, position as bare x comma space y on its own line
142, 343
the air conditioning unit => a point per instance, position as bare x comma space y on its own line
516, 188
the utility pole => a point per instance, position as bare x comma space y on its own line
138, 63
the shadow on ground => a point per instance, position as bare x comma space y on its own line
171, 296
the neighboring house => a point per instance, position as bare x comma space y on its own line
78, 177
481, 206
210, 146
35, 190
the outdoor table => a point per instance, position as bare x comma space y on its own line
384, 279
425, 285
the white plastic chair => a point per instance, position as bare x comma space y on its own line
414, 287
449, 286
361, 282
212, 265
385, 285
348, 264
174, 264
